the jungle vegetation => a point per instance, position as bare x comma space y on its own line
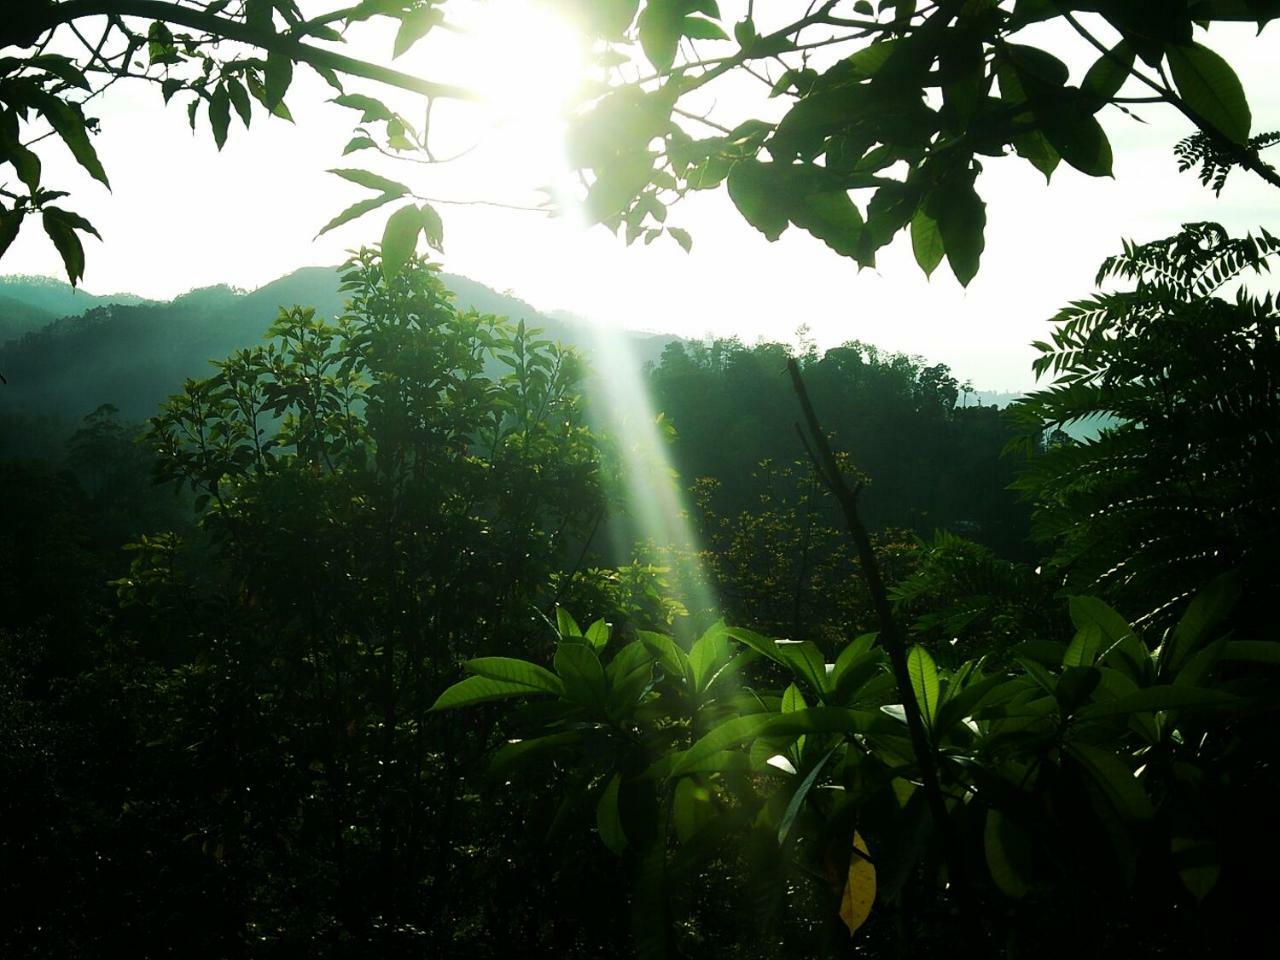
340, 653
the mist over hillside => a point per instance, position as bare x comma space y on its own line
66, 351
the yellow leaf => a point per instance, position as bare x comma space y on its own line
860, 888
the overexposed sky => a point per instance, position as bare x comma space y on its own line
182, 215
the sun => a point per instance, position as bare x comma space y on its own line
529, 62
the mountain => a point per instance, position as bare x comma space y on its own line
29, 303
133, 353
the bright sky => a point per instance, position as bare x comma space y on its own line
181, 215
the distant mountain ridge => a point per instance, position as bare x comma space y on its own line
69, 351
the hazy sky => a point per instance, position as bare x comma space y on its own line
181, 215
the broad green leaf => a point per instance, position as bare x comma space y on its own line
511, 754
798, 798
1108, 73
805, 660
240, 100
67, 120
279, 75
220, 115
1115, 779
1252, 651
691, 808
1084, 647
433, 228
1203, 614
598, 635
696, 28
681, 237
859, 887
566, 626
755, 190
400, 240
1074, 132
1007, 852
372, 181
475, 690
710, 652
357, 210
962, 221
608, 821
10, 224
512, 670
924, 682
583, 677
61, 226
792, 699
358, 143
757, 642
1199, 865
668, 653
1209, 86
413, 27
830, 216
1038, 151
370, 109
659, 27
739, 730
1150, 699
926, 241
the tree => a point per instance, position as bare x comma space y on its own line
1181, 487
899, 103
219, 57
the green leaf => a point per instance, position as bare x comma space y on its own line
739, 730
757, 642
511, 754
579, 668
659, 27
962, 220
357, 143
1209, 607
924, 682
475, 690
1115, 779
400, 240
696, 28
432, 227
24, 160
798, 798
608, 820
1084, 647
240, 100
1076, 135
279, 75
806, 662
691, 808
1036, 149
681, 237
220, 115
755, 190
1209, 86
414, 27
1007, 851
1108, 73
511, 670
598, 635
1150, 699
61, 226
711, 651
1252, 651
926, 241
370, 109
68, 121
372, 181
566, 626
357, 210
10, 224
831, 217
